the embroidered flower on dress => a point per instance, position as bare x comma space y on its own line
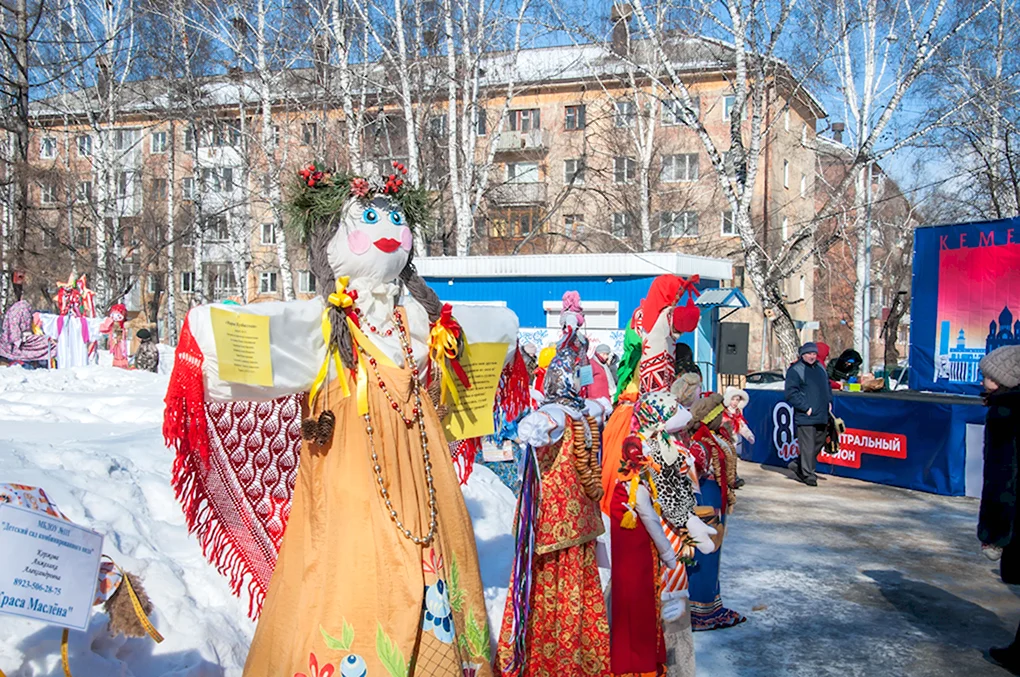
438, 616
314, 670
432, 563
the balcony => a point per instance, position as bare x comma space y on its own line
531, 141
518, 194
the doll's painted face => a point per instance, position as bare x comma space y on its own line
373, 240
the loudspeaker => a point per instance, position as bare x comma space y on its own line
731, 351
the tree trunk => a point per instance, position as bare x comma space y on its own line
171, 239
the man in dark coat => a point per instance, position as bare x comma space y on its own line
808, 392
997, 520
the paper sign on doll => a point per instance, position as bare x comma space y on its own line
242, 346
49, 567
472, 416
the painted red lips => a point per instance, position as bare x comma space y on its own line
387, 244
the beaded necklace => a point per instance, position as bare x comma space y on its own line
416, 418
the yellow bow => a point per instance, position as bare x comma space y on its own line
443, 347
339, 299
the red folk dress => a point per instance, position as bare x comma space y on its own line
568, 630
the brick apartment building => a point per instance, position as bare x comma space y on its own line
562, 179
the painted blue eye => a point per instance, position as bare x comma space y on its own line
396, 218
370, 216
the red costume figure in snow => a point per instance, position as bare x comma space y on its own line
639, 544
113, 327
554, 622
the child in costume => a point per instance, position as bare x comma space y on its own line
147, 356
554, 622
637, 646
378, 570
713, 457
735, 400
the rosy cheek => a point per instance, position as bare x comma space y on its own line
358, 242
405, 238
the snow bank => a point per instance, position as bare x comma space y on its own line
91, 437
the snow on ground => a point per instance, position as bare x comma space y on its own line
91, 437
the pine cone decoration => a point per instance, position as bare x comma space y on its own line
326, 424
309, 429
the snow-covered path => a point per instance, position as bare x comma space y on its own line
91, 437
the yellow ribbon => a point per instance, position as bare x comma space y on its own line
63, 654
443, 346
342, 300
362, 341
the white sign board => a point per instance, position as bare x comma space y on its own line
49, 567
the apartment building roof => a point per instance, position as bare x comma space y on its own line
540, 66
642, 264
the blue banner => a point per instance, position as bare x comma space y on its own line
966, 302
904, 443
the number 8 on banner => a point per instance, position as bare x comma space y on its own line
783, 433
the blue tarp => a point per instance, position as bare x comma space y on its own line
915, 444
966, 302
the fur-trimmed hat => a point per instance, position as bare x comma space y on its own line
732, 392
706, 410
1002, 365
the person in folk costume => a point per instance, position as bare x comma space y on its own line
76, 328
714, 456
18, 343
378, 570
659, 420
113, 327
637, 644
554, 621
735, 400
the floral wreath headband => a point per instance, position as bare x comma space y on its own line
320, 194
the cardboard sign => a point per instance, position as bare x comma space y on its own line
49, 567
472, 417
242, 347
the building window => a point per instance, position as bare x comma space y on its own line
573, 171
672, 111
47, 193
83, 236
524, 120
84, 145
47, 148
224, 283
738, 277
626, 114
216, 228
573, 225
158, 143
306, 282
268, 233
624, 169
267, 283
84, 191
125, 139
437, 126
786, 119
785, 228
574, 117
727, 107
188, 188
224, 134
227, 182
310, 133
621, 224
803, 185
159, 189
680, 167
673, 225
786, 173
729, 227
481, 122
522, 172
188, 282
124, 184
189, 139
50, 238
